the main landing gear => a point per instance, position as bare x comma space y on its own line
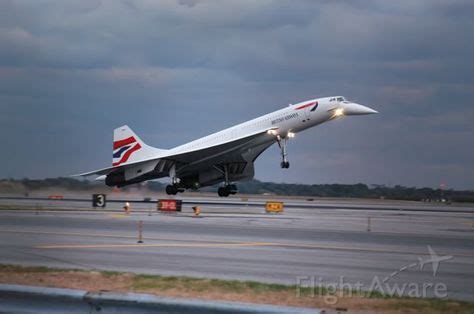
285, 164
174, 189
226, 190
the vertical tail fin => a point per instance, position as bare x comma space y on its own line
128, 147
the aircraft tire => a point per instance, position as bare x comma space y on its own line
223, 192
171, 190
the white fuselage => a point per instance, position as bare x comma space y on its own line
294, 118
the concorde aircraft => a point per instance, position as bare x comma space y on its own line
223, 157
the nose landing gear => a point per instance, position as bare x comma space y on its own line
285, 164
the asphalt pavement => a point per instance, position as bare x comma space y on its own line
331, 245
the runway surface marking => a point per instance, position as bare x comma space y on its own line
103, 235
118, 215
136, 245
240, 244
209, 243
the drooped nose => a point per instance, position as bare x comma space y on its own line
353, 109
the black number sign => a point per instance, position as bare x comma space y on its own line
99, 200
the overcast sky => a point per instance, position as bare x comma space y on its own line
72, 71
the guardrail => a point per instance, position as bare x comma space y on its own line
29, 299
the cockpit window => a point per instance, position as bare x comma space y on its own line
340, 99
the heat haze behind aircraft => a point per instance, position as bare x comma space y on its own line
226, 156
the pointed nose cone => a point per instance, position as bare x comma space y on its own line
353, 109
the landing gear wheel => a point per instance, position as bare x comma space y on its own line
223, 191
171, 190
282, 144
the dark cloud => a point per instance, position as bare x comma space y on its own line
70, 72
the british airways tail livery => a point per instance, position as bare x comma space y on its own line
226, 156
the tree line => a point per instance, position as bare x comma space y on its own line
359, 190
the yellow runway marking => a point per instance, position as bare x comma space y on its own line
240, 244
368, 250
210, 243
191, 245
103, 235
118, 215
355, 249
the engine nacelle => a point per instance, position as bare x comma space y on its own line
115, 179
212, 176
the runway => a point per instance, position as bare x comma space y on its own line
242, 242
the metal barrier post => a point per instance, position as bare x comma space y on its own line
140, 231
